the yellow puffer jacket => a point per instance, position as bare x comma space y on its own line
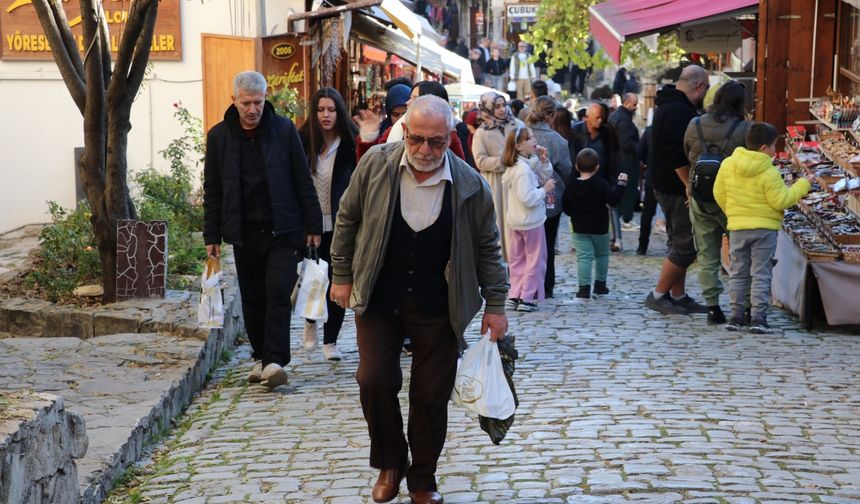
751, 192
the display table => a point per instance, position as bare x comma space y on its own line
837, 281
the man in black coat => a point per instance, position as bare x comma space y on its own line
628, 139
259, 197
670, 174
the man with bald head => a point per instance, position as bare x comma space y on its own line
628, 139
670, 173
415, 242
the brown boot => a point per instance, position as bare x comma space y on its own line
426, 497
388, 484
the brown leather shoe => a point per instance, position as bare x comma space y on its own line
388, 484
426, 497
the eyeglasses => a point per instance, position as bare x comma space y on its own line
434, 143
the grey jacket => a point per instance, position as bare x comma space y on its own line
559, 156
363, 226
714, 133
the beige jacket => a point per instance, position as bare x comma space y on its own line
363, 226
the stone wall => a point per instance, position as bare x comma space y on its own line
39, 440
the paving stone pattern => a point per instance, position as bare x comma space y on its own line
617, 404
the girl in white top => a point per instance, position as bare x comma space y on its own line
527, 181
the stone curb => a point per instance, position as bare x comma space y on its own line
178, 397
51, 437
34, 318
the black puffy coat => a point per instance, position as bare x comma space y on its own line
295, 206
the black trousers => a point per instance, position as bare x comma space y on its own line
266, 267
649, 208
551, 232
335, 313
434, 367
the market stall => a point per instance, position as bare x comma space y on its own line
818, 250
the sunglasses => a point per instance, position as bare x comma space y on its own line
434, 143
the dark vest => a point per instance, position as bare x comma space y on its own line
415, 264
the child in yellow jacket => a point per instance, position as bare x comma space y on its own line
750, 190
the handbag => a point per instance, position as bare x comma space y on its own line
512, 85
210, 310
309, 295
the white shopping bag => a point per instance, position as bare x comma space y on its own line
309, 296
480, 385
210, 311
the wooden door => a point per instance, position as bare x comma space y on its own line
223, 57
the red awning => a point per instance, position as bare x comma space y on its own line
614, 21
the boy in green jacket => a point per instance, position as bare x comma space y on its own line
751, 192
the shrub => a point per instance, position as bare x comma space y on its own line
68, 255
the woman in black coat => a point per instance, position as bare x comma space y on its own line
327, 137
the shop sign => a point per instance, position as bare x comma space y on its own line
23, 38
286, 63
479, 23
521, 12
717, 37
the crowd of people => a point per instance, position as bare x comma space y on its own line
426, 220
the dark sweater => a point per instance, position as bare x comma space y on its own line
666, 152
585, 202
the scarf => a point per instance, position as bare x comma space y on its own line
490, 120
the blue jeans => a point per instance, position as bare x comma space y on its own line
591, 249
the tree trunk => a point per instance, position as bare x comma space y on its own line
104, 96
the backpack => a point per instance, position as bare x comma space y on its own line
706, 167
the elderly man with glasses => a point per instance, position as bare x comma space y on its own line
415, 251
522, 72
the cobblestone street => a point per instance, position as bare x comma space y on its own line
617, 404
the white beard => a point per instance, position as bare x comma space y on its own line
423, 165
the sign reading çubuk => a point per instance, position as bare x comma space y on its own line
23, 38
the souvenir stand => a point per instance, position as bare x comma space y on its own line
818, 251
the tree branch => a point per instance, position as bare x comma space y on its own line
134, 49
52, 17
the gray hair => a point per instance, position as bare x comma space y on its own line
249, 81
432, 104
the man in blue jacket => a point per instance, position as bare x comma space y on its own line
258, 195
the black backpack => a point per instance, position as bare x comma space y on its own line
708, 164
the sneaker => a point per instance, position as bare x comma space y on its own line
407, 346
274, 376
525, 306
615, 247
584, 292
735, 324
690, 304
630, 226
664, 305
331, 352
600, 288
256, 374
716, 315
660, 227
512, 304
760, 327
309, 336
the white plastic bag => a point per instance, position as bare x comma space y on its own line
210, 311
480, 385
311, 288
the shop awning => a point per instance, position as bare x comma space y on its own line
614, 21
434, 58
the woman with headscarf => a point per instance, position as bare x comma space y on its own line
488, 144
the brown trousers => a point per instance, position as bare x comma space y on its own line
434, 366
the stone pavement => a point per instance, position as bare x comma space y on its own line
617, 404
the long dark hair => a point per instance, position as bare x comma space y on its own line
729, 102
561, 122
312, 133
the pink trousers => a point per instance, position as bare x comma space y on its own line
527, 263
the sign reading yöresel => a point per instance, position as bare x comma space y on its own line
22, 37
521, 12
